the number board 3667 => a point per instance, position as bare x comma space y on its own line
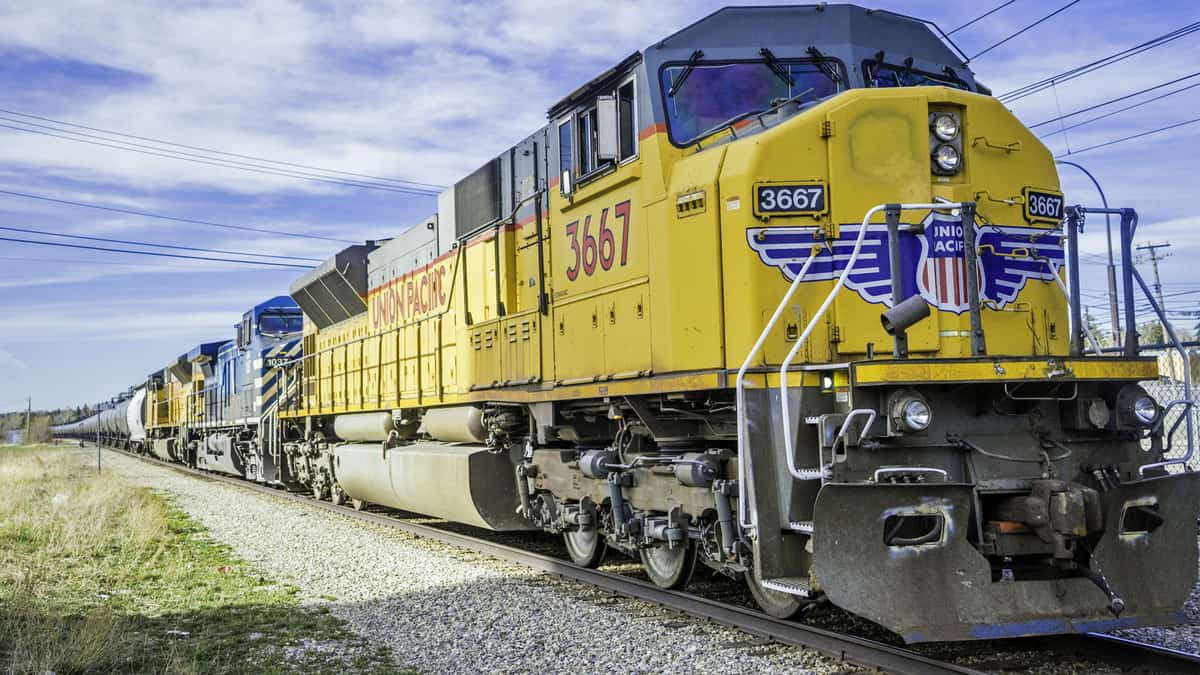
784, 199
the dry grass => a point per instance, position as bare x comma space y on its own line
99, 576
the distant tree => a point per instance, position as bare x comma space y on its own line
1150, 333
39, 430
1093, 328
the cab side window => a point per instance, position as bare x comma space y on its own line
588, 161
627, 120
566, 161
600, 134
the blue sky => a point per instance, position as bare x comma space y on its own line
417, 90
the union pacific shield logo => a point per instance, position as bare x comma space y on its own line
942, 271
932, 261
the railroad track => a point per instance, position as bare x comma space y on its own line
1130, 655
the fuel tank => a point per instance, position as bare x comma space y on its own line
363, 426
458, 482
163, 448
458, 424
217, 455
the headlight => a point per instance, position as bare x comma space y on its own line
945, 127
1145, 410
916, 415
1137, 408
910, 412
946, 158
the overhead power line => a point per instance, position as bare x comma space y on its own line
191, 221
152, 245
71, 262
982, 16
1121, 110
1130, 138
1080, 71
222, 152
187, 157
1030, 26
64, 244
1124, 97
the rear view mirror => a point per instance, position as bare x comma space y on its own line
606, 128
565, 186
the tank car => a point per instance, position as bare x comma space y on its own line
120, 423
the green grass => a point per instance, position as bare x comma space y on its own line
99, 576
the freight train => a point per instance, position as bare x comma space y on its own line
781, 295
212, 406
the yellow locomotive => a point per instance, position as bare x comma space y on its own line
783, 295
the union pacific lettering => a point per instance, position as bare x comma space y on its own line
410, 297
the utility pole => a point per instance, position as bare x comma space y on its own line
1154, 258
1152, 251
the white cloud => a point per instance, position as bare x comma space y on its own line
10, 363
382, 88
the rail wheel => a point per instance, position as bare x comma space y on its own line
318, 490
669, 568
777, 604
586, 549
337, 495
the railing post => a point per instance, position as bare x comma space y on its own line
892, 214
1127, 270
978, 343
1074, 224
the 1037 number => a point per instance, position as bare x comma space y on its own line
775, 199
600, 249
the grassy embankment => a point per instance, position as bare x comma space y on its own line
97, 575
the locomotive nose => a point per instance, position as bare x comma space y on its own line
1042, 562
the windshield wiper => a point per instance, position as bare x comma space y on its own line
729, 122
776, 67
687, 70
825, 66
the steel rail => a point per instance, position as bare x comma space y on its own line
1130, 655
1134, 655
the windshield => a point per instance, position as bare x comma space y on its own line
886, 75
273, 323
712, 94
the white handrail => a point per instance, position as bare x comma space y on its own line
740, 386
841, 436
812, 324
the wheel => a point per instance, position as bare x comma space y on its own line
318, 490
778, 605
358, 504
337, 495
586, 549
669, 568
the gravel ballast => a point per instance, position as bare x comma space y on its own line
442, 609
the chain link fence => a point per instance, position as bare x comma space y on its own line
1166, 391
